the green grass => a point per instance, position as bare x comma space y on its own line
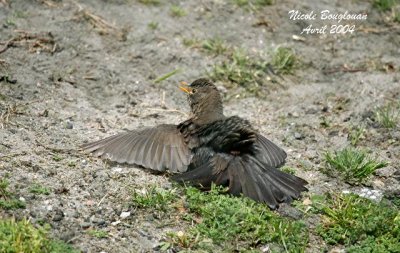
153, 25
150, 2
39, 189
252, 4
8, 200
288, 170
215, 46
240, 69
352, 165
389, 6
358, 223
154, 198
98, 233
252, 72
177, 11
388, 116
22, 236
384, 5
356, 134
215, 219
284, 60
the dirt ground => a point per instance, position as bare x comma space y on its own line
76, 71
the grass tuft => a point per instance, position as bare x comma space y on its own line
284, 60
253, 4
177, 11
353, 165
153, 25
155, 198
388, 116
215, 46
22, 236
240, 69
356, 134
358, 223
384, 5
39, 189
150, 2
98, 233
8, 200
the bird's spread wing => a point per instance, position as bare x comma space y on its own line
158, 148
243, 174
269, 153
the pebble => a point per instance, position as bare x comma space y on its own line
85, 225
69, 125
124, 215
298, 136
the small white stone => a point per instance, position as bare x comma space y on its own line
124, 215
22, 199
115, 222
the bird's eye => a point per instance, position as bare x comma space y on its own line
194, 91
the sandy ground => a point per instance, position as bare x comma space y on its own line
78, 81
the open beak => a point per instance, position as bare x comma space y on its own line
184, 87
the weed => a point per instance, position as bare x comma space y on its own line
7, 200
154, 198
177, 11
388, 115
215, 46
351, 164
39, 189
190, 42
237, 223
284, 60
150, 2
252, 4
356, 134
358, 223
22, 236
98, 233
153, 25
288, 170
384, 5
242, 70
57, 158
166, 76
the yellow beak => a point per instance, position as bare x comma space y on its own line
184, 87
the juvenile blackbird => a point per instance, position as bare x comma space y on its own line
208, 148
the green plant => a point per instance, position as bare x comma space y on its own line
39, 189
214, 46
242, 70
177, 11
22, 236
7, 199
284, 60
154, 198
150, 2
252, 4
358, 223
288, 170
153, 25
356, 134
351, 164
237, 222
384, 5
387, 116
98, 233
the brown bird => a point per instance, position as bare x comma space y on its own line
208, 148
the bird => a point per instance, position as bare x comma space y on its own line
208, 148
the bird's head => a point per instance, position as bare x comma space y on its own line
204, 100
